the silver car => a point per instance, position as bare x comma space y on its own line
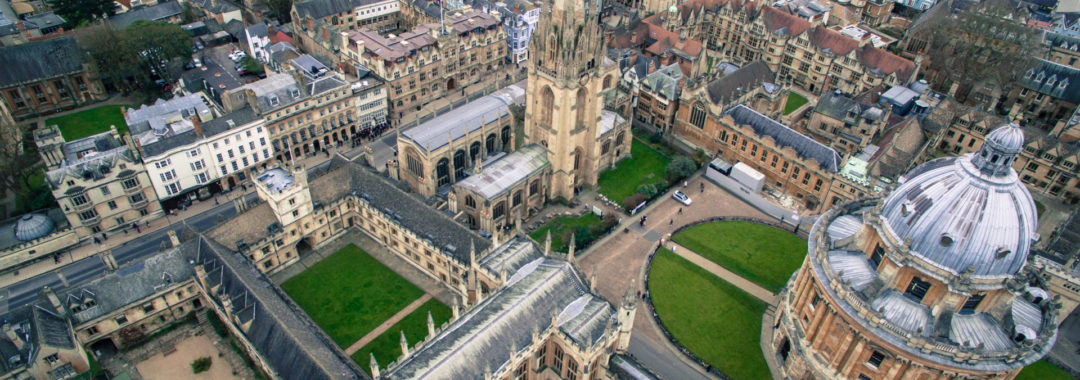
682, 198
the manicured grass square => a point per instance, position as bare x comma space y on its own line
794, 101
1043, 370
350, 293
90, 122
645, 166
762, 254
387, 347
561, 229
715, 320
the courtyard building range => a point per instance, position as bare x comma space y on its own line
44, 77
923, 281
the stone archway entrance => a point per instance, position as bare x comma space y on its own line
451, 84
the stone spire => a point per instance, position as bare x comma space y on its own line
570, 253
430, 325
547, 244
374, 367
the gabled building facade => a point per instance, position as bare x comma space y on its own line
45, 77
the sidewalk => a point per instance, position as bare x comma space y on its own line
732, 278
387, 324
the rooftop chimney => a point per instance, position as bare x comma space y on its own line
197, 125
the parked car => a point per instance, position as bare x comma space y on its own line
199, 45
682, 198
196, 62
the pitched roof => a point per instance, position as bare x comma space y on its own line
317, 9
743, 79
1054, 79
779, 22
804, 146
839, 106
39, 60
160, 11
50, 329
481, 338
435, 133
833, 41
342, 178
884, 63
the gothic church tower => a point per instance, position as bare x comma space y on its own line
567, 73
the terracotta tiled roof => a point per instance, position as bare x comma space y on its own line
826, 38
776, 20
666, 39
887, 63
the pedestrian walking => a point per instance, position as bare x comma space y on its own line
671, 222
680, 210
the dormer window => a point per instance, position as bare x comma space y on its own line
1063, 84
1030, 73
1040, 77
1051, 80
273, 100
295, 93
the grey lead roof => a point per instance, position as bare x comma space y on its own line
975, 330
318, 9
1054, 79
910, 315
511, 255
840, 107
39, 60
507, 171
740, 81
51, 329
482, 337
854, 268
627, 368
804, 146
437, 132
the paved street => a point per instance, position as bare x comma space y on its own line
630, 251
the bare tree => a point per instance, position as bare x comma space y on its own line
966, 43
19, 161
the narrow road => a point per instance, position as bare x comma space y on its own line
378, 331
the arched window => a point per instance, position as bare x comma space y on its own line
474, 152
506, 138
459, 163
489, 143
609, 81
415, 167
581, 104
517, 198
619, 138
442, 172
534, 188
499, 210
547, 106
470, 202
577, 158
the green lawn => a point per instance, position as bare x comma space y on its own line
387, 347
1043, 370
794, 101
716, 321
41, 195
90, 122
646, 166
561, 229
350, 293
763, 254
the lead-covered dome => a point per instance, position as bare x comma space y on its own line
33, 226
967, 214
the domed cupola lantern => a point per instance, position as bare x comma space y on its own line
997, 154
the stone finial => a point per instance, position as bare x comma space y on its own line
570, 253
472, 253
430, 325
592, 279
404, 344
374, 365
547, 244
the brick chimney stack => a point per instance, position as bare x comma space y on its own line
198, 125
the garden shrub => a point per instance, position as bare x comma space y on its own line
201, 365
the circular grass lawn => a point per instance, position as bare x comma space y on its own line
716, 321
763, 254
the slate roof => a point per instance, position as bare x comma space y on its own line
292, 344
342, 178
832, 40
840, 106
1054, 79
39, 60
258, 30
665, 81
883, 62
318, 9
481, 338
43, 20
779, 22
282, 87
160, 11
215, 6
507, 171
133, 282
745, 78
511, 255
157, 116
51, 329
804, 146
178, 137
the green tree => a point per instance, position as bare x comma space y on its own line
18, 165
280, 9
201, 364
648, 190
680, 167
127, 59
189, 14
82, 12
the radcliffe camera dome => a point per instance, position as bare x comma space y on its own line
967, 214
33, 226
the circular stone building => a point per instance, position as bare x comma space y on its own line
926, 283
